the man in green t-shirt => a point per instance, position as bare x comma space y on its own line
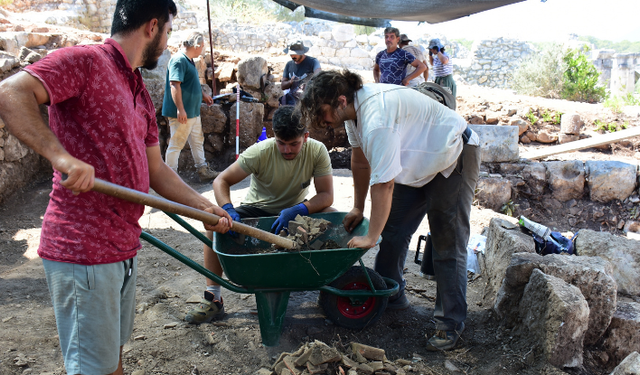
181, 105
281, 170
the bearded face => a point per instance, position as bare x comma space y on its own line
152, 52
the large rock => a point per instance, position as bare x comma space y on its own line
535, 176
250, 70
14, 149
630, 365
493, 192
556, 315
622, 337
155, 80
592, 275
566, 179
623, 253
7, 61
343, 33
504, 238
497, 143
214, 120
609, 180
571, 123
251, 115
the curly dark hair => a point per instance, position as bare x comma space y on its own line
325, 88
286, 123
131, 14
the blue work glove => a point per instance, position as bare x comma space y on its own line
288, 214
234, 215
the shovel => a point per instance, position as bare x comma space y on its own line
163, 204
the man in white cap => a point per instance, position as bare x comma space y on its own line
297, 71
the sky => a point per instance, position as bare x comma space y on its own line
537, 21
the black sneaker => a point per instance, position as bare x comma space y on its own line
401, 303
444, 340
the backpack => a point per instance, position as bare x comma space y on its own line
544, 247
437, 93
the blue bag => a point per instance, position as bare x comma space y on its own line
559, 245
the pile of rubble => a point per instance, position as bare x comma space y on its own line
305, 230
319, 358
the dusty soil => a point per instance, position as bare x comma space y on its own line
162, 343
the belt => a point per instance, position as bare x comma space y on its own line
466, 134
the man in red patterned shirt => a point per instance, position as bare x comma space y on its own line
101, 124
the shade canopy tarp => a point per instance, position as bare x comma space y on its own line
378, 13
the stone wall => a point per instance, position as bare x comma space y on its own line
93, 15
489, 62
492, 61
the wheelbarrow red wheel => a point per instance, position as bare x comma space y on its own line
353, 313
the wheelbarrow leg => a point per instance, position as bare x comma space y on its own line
272, 307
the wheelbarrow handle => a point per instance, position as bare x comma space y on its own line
163, 204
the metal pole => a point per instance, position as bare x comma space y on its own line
213, 65
238, 122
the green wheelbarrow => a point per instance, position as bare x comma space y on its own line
353, 297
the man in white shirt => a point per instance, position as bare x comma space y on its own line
420, 159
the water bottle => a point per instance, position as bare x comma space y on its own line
540, 231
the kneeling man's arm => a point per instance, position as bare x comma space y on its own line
324, 194
222, 184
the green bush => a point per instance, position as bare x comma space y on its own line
541, 73
580, 81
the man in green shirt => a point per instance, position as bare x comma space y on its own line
181, 105
281, 170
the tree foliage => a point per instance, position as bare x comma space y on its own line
580, 81
541, 74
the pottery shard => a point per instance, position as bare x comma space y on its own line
557, 315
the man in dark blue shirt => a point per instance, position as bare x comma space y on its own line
391, 64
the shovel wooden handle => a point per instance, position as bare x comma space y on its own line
163, 204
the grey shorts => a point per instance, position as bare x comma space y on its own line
94, 308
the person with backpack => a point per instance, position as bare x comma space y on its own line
418, 158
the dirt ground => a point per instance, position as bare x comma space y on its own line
162, 343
